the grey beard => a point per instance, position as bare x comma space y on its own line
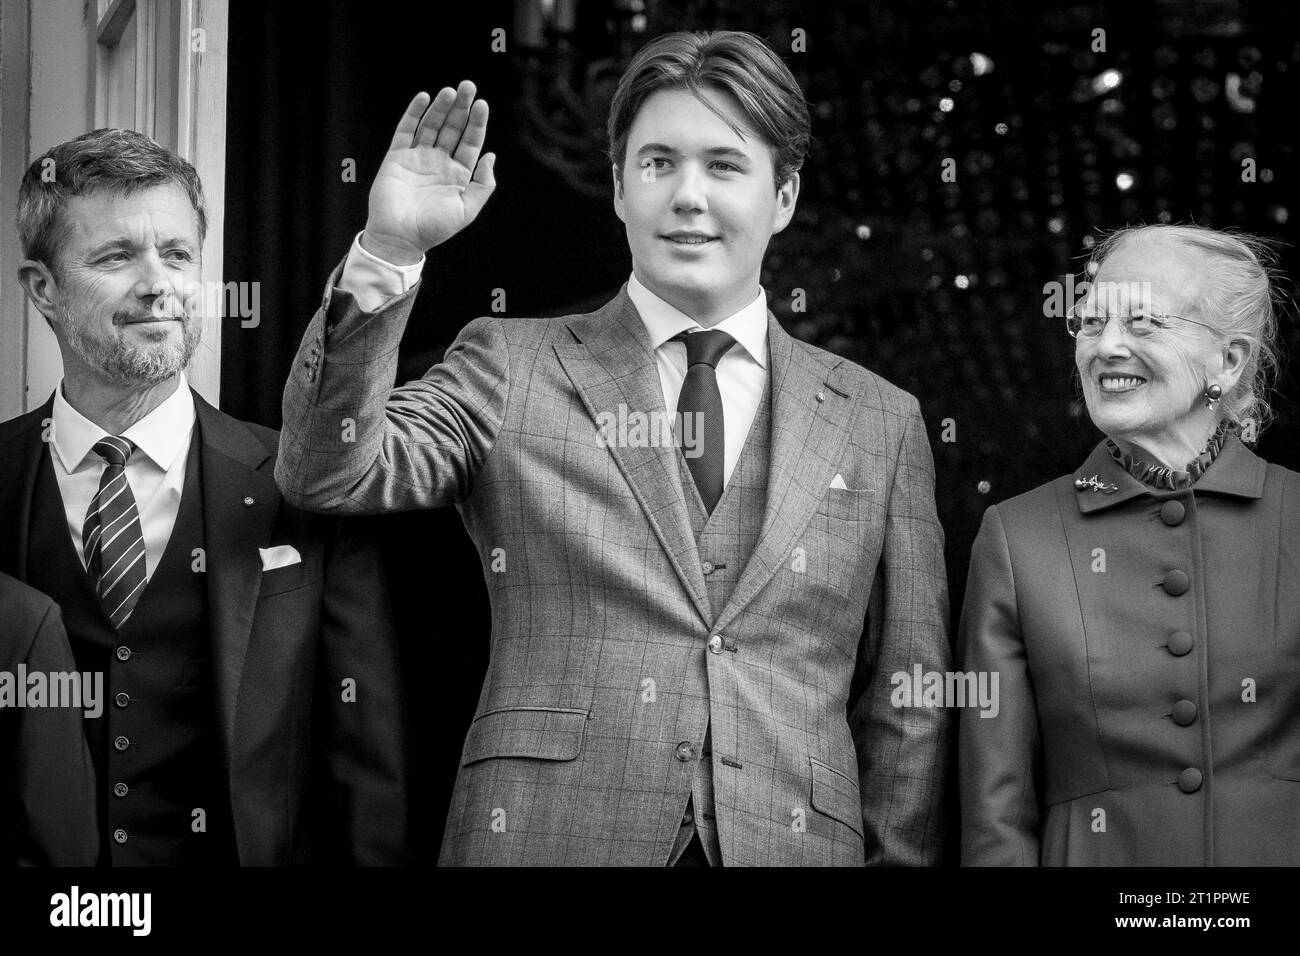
131, 365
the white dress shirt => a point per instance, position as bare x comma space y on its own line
742, 372
155, 472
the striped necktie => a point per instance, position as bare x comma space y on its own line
112, 541
701, 398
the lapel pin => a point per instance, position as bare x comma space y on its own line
1096, 484
248, 502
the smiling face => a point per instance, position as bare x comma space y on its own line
124, 300
699, 203
1148, 391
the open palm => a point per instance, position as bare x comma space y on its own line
431, 184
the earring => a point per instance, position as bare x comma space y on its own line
1212, 395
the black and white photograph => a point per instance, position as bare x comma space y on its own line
624, 434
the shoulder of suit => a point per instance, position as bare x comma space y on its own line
267, 438
1034, 506
861, 380
23, 609
524, 330
22, 424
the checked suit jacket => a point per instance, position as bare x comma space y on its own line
600, 683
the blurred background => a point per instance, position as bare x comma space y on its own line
1061, 120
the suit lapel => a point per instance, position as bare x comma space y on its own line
808, 436
240, 504
611, 364
21, 447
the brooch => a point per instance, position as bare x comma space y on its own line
1096, 484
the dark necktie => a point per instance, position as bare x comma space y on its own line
701, 400
112, 541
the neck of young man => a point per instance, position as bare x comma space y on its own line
708, 310
112, 405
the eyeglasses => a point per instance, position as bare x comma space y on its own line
1139, 326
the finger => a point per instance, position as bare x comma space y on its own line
410, 122
434, 117
471, 143
458, 116
481, 185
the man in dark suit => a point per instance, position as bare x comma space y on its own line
254, 713
693, 648
47, 805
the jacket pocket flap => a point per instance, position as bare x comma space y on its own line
278, 580
543, 733
836, 795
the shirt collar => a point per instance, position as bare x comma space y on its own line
663, 321
161, 435
1235, 471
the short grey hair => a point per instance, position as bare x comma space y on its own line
1241, 299
116, 160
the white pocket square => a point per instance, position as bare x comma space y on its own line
281, 556
838, 482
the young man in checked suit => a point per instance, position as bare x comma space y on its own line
691, 647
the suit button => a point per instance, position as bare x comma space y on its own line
119, 836
1172, 513
1180, 643
1184, 713
715, 644
1176, 583
121, 743
123, 653
688, 817
1189, 781
685, 751
122, 700
706, 567
119, 790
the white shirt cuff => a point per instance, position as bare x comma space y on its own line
372, 281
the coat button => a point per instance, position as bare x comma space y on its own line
119, 790
122, 700
119, 836
1180, 643
1184, 713
124, 653
715, 644
706, 567
1172, 513
121, 743
1176, 583
685, 751
1189, 781
688, 817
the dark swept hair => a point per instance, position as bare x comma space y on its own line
116, 160
732, 61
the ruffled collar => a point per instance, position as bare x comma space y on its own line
1161, 476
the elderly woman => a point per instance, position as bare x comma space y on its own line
1143, 613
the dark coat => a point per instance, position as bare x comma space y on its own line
1148, 651
47, 783
311, 777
